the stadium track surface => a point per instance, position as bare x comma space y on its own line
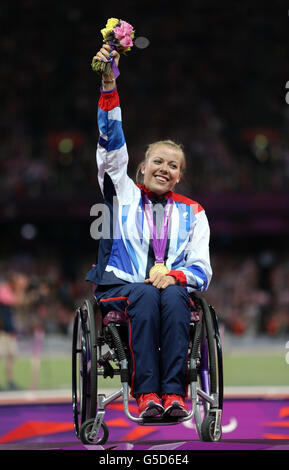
44, 422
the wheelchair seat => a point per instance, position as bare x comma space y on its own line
114, 316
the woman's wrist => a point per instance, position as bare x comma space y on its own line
108, 83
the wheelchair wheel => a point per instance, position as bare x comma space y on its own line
208, 353
208, 431
87, 437
84, 366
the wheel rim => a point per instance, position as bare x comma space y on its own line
79, 372
209, 371
86, 429
213, 436
87, 432
84, 361
91, 369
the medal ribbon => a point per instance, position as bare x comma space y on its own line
114, 67
159, 244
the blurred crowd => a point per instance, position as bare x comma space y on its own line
250, 295
42, 298
215, 84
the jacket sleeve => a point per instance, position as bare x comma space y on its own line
112, 155
196, 273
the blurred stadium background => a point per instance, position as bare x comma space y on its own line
211, 75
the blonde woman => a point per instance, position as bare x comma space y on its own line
157, 253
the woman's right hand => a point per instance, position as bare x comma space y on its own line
107, 54
161, 281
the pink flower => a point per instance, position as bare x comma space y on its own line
124, 30
126, 42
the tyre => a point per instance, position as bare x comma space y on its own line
208, 430
85, 433
84, 366
208, 350
207, 353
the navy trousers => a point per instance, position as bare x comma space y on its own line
158, 322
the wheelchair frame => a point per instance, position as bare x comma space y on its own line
205, 373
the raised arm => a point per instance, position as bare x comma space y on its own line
112, 155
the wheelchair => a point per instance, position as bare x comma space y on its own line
100, 341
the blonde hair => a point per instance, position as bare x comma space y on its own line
171, 143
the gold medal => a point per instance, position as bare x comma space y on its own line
159, 268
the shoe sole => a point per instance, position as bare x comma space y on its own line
153, 410
176, 411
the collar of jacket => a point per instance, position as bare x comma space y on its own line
152, 195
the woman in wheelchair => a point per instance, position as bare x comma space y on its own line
156, 254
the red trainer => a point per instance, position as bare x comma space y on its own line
174, 406
149, 404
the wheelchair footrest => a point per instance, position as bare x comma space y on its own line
157, 420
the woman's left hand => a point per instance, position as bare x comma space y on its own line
161, 281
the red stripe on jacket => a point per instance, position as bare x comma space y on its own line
176, 197
195, 205
131, 351
108, 101
113, 298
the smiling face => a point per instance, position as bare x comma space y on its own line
162, 168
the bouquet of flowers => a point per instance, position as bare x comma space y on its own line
119, 35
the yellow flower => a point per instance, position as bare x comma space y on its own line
105, 32
110, 25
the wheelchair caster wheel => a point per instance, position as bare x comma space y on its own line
208, 432
87, 438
